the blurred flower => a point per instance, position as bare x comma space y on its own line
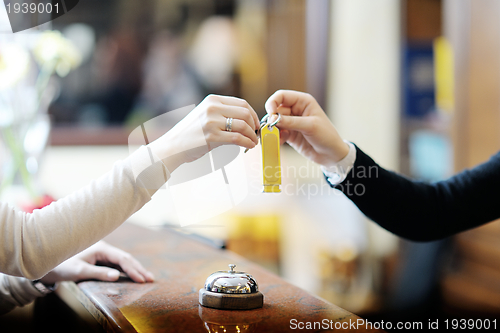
53, 48
24, 126
39, 203
14, 64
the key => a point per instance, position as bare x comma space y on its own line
271, 164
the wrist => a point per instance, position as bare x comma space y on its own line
44, 287
172, 162
337, 172
336, 154
164, 151
343, 150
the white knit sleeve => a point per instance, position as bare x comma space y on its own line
33, 244
16, 291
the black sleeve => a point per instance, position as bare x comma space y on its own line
421, 211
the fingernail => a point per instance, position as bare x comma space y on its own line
113, 275
151, 276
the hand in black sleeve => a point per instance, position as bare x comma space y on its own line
421, 211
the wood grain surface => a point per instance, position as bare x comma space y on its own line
171, 303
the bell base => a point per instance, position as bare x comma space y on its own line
231, 301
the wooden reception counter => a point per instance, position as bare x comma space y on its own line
170, 304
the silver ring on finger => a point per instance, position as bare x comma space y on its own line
229, 124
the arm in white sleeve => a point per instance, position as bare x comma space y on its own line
33, 244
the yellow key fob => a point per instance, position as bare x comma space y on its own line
271, 164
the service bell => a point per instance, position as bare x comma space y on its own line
231, 290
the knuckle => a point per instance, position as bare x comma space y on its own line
313, 126
210, 137
79, 270
211, 109
312, 99
126, 256
210, 98
236, 138
247, 105
210, 122
308, 96
249, 120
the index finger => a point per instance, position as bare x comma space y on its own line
127, 263
135, 270
295, 100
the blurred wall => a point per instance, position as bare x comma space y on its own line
363, 82
473, 28
471, 289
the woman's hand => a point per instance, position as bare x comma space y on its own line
305, 126
83, 266
204, 129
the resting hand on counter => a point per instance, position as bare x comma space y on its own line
19, 291
83, 266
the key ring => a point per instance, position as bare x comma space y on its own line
263, 123
271, 125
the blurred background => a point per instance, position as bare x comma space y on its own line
414, 83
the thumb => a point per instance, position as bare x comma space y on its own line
295, 123
99, 273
